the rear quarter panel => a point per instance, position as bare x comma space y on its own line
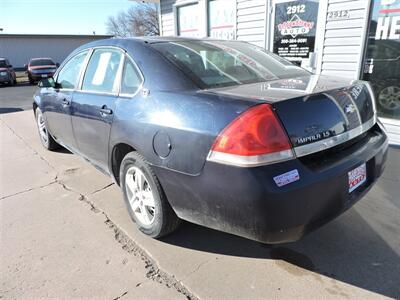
188, 121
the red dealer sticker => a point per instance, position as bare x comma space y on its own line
357, 177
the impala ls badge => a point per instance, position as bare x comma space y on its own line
349, 108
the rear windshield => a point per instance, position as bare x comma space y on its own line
41, 62
3, 64
225, 63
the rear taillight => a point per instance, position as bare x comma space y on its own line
255, 138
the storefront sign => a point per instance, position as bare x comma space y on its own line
294, 29
188, 20
388, 22
221, 19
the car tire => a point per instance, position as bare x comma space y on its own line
12, 82
45, 137
144, 197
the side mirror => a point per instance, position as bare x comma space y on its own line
10, 66
47, 83
57, 65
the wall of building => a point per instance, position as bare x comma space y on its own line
251, 23
343, 39
167, 22
250, 19
20, 48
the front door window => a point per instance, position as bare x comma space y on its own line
382, 58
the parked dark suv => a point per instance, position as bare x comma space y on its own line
7, 74
39, 68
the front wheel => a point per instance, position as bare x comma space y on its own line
47, 140
145, 199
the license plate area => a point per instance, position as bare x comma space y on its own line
357, 177
44, 75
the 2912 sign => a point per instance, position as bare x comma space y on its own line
295, 9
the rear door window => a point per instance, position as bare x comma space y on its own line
102, 70
131, 78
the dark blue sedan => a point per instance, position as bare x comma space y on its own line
219, 133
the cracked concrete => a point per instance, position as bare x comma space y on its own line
356, 256
153, 272
17, 283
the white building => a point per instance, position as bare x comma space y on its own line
358, 39
19, 48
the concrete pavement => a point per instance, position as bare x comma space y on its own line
54, 244
54, 201
16, 98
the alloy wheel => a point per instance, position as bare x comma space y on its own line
140, 196
389, 97
42, 127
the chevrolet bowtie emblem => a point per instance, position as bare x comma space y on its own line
349, 108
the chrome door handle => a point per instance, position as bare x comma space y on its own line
105, 111
65, 102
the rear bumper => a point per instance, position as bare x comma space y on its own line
248, 203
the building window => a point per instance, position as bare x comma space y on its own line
222, 19
382, 57
188, 20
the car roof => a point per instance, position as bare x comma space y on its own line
140, 49
146, 40
161, 39
38, 58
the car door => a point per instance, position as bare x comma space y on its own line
56, 102
94, 104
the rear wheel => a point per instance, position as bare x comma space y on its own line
47, 140
144, 197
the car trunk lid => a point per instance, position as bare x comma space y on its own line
317, 112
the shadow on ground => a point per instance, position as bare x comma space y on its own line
357, 248
6, 110
17, 85
339, 250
